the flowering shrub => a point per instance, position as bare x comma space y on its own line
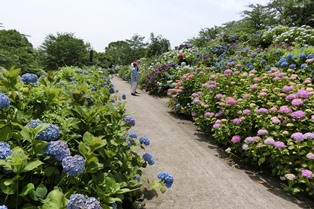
75, 154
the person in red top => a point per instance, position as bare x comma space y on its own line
182, 59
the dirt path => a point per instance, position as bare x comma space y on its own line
203, 179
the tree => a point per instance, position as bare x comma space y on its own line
137, 46
293, 12
205, 35
157, 46
16, 50
64, 49
119, 52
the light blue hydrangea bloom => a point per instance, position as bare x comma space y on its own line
3, 207
4, 101
73, 165
77, 201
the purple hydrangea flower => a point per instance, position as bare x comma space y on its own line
245, 147
297, 136
308, 135
262, 110
196, 100
254, 87
58, 149
231, 101
228, 72
209, 114
237, 121
166, 177
92, 203
147, 157
291, 97
4, 101
246, 112
218, 96
73, 165
279, 145
249, 139
299, 114
275, 120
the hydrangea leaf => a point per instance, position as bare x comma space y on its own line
55, 200
27, 189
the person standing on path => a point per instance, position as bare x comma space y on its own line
134, 78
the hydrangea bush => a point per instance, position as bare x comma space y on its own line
63, 143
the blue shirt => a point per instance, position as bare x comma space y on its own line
134, 75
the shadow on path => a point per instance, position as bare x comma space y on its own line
258, 174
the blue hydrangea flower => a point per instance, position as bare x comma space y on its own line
132, 135
123, 96
147, 157
129, 120
73, 165
284, 64
58, 149
77, 201
178, 106
310, 56
166, 177
289, 56
114, 205
28, 78
144, 140
111, 90
128, 143
5, 150
92, 203
4, 101
51, 133
93, 88
303, 66
302, 56
3, 207
263, 62
293, 66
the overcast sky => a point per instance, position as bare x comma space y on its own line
100, 22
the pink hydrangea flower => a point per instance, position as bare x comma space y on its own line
299, 114
228, 72
291, 97
209, 114
254, 87
235, 139
262, 132
310, 156
306, 173
231, 101
262, 110
216, 125
246, 95
275, 120
269, 141
273, 109
246, 112
309, 135
285, 109
262, 94
237, 121
303, 94
287, 89
218, 96
297, 102
196, 100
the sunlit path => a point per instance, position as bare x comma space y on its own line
203, 180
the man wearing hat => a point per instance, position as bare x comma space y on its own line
182, 59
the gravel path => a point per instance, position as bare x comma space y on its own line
204, 179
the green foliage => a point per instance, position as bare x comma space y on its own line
119, 52
90, 124
64, 49
16, 50
157, 46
